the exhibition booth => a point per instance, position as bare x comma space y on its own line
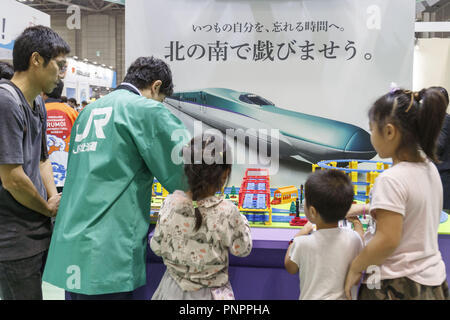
86, 80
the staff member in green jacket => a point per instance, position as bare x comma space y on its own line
119, 144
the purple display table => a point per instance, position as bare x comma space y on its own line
261, 275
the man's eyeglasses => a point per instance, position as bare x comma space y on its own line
62, 65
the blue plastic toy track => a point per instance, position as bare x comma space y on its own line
326, 165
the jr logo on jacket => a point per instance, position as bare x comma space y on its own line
99, 124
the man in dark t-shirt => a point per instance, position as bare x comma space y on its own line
28, 195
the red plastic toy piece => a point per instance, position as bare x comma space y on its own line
298, 222
261, 176
275, 202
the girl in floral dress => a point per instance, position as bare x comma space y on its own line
196, 230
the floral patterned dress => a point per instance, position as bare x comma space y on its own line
199, 260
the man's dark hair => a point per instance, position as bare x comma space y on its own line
57, 92
84, 103
146, 70
6, 71
64, 99
40, 39
72, 100
331, 193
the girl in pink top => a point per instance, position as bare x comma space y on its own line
402, 256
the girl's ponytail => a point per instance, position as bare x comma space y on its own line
431, 115
198, 219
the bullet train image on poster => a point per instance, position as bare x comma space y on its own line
311, 137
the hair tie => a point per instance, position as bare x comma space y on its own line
413, 98
395, 90
417, 96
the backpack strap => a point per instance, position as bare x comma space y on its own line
38, 101
12, 91
39, 104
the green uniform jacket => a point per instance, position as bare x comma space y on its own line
118, 144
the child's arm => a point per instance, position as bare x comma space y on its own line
386, 240
241, 242
358, 210
155, 242
359, 229
307, 229
291, 266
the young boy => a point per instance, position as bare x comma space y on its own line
324, 257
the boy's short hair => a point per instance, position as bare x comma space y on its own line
146, 70
331, 193
6, 71
40, 39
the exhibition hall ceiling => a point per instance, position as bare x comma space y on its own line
94, 6
431, 5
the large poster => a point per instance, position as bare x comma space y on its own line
309, 69
14, 18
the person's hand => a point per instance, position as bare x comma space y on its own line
307, 229
357, 226
53, 204
356, 210
355, 220
352, 279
